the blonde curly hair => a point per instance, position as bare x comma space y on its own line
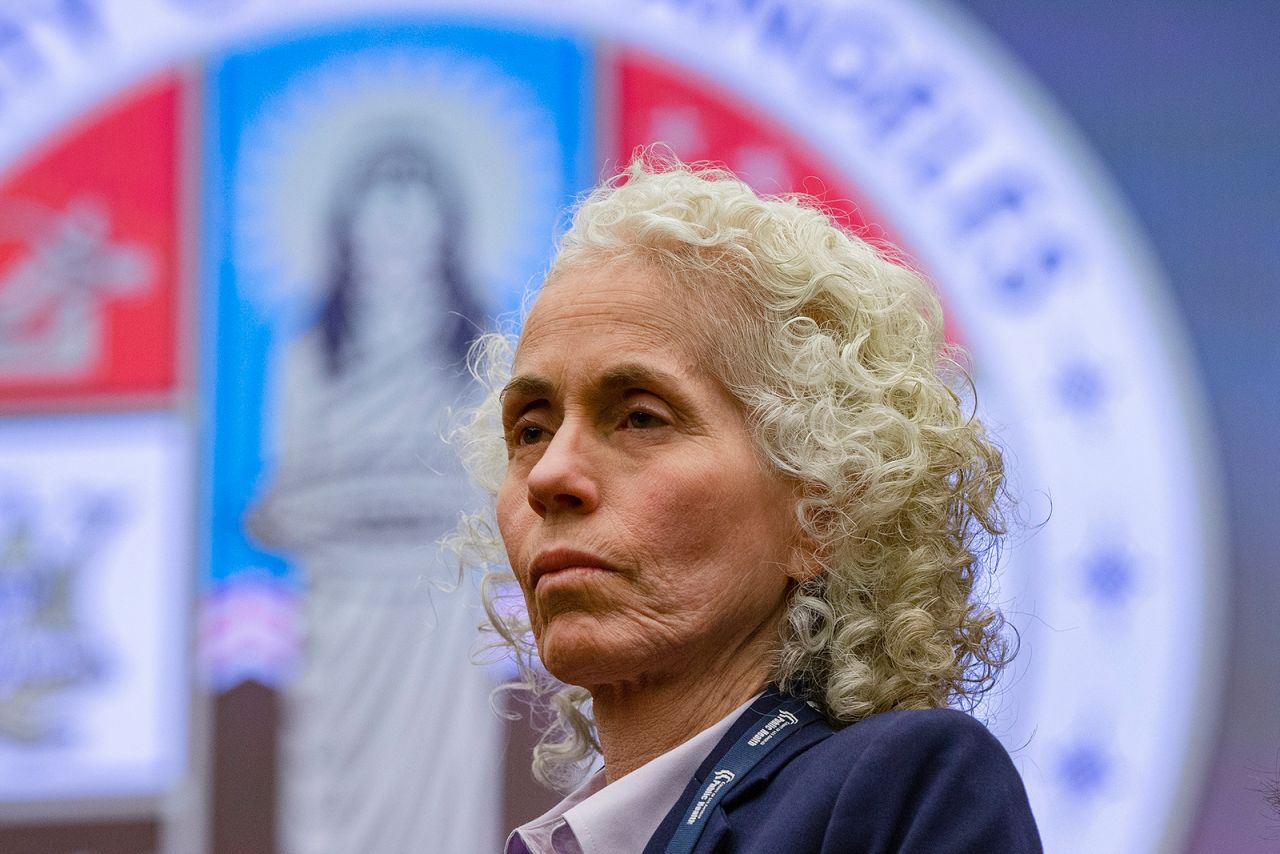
835, 350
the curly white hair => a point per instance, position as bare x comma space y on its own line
834, 348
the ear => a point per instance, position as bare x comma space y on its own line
806, 550
806, 561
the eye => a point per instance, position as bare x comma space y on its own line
639, 419
530, 434
526, 430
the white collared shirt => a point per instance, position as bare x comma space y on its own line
619, 818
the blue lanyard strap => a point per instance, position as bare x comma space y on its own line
755, 744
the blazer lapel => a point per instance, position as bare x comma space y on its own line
756, 713
808, 735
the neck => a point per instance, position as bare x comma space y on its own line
638, 721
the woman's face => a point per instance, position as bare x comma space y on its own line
645, 532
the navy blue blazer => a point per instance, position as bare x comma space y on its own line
932, 781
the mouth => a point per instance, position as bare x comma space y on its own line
553, 562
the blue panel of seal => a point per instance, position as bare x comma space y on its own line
371, 198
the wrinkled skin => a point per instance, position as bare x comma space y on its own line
623, 447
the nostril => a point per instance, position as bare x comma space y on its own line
559, 501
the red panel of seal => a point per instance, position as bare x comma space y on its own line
657, 102
89, 258
700, 121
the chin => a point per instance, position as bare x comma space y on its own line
577, 651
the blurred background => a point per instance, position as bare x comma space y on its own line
244, 245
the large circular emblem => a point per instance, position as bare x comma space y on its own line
905, 117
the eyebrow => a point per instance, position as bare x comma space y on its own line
631, 374
526, 387
619, 377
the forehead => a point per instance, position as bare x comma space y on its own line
612, 312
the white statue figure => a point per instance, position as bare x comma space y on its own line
389, 742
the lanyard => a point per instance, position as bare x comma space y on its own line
754, 745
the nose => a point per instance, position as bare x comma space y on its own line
563, 480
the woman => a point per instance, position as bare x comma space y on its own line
745, 511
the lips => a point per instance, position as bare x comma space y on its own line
557, 560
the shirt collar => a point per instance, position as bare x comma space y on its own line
620, 817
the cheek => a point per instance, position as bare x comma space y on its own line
690, 522
513, 524
514, 521
725, 528
718, 501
